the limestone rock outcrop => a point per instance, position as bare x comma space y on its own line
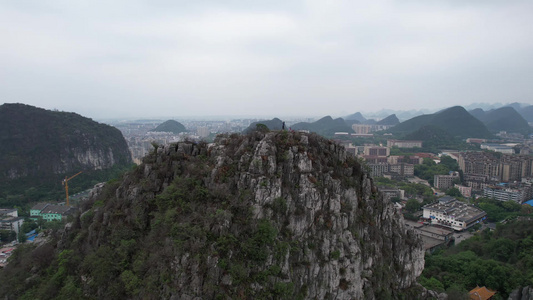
278, 215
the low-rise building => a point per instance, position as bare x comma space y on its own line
404, 144
389, 193
433, 237
10, 220
402, 169
503, 193
466, 191
444, 182
50, 212
55, 212
450, 212
35, 211
8, 212
498, 148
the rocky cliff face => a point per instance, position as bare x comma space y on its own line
279, 215
39, 143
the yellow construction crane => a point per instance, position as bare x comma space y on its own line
65, 183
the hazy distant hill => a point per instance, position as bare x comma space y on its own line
502, 119
274, 124
349, 123
357, 116
527, 113
433, 136
38, 147
390, 120
478, 113
327, 126
454, 120
170, 126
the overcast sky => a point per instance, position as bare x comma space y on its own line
133, 58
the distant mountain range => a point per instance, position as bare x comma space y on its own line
356, 116
390, 120
170, 126
526, 113
502, 119
327, 126
274, 124
456, 121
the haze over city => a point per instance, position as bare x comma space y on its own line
201, 58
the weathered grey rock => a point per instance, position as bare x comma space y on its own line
523, 293
336, 237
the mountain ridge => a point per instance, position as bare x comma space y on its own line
267, 215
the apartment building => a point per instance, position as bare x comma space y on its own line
504, 193
506, 168
404, 144
444, 182
376, 151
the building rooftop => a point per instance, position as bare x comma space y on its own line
39, 206
11, 220
437, 230
459, 210
481, 293
5, 211
55, 209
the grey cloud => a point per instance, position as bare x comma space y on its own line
146, 58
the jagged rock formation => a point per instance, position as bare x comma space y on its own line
277, 215
43, 145
525, 293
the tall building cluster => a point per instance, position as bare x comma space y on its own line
500, 176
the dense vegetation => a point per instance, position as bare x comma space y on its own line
429, 168
412, 190
501, 260
435, 138
23, 193
500, 210
38, 148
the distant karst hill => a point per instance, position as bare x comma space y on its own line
170, 126
38, 147
326, 126
277, 215
527, 113
274, 124
456, 121
390, 120
357, 117
502, 119
433, 136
